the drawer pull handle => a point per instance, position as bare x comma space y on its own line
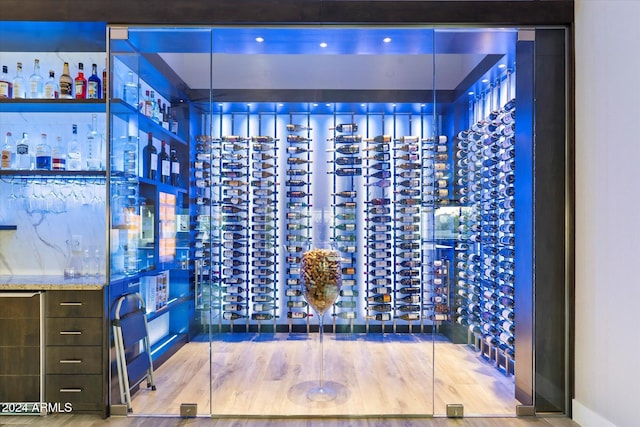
70, 304
71, 361
70, 332
70, 390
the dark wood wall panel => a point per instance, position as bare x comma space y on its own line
292, 11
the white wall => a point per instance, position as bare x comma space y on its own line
607, 206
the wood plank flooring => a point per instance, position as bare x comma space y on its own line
375, 375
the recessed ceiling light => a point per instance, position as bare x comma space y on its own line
502, 66
315, 105
485, 80
470, 93
393, 105
323, 44
327, 105
259, 39
386, 39
280, 105
363, 105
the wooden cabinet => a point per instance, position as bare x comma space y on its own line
75, 358
20, 355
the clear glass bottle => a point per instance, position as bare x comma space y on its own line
155, 110
94, 146
74, 155
130, 91
59, 155
8, 153
19, 84
130, 157
23, 157
80, 83
94, 85
36, 82
147, 108
66, 83
51, 88
43, 154
6, 85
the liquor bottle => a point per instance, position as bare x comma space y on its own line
164, 165
59, 155
155, 110
130, 93
8, 153
51, 88
66, 83
6, 85
147, 106
150, 160
43, 154
94, 146
36, 83
80, 83
94, 86
345, 127
19, 84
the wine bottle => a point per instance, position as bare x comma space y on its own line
263, 139
297, 139
346, 139
410, 299
379, 237
164, 165
379, 148
346, 161
380, 307
150, 159
262, 316
408, 308
409, 316
382, 298
345, 194
296, 150
345, 149
346, 315
298, 315
382, 317
345, 227
383, 174
297, 161
380, 157
346, 304
383, 183
379, 254
345, 127
297, 172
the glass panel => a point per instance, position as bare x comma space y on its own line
475, 345
153, 247
321, 136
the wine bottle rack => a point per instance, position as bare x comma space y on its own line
485, 254
298, 217
346, 170
364, 182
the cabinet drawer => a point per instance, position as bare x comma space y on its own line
74, 304
84, 392
74, 360
74, 331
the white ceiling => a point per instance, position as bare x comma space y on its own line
335, 72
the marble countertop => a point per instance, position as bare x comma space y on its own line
49, 283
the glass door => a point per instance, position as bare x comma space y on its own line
475, 345
323, 138
160, 244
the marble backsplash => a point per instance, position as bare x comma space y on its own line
47, 215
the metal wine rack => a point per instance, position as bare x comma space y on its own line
298, 216
485, 255
347, 167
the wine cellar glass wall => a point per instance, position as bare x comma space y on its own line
424, 221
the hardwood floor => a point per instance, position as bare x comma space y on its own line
269, 374
261, 378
